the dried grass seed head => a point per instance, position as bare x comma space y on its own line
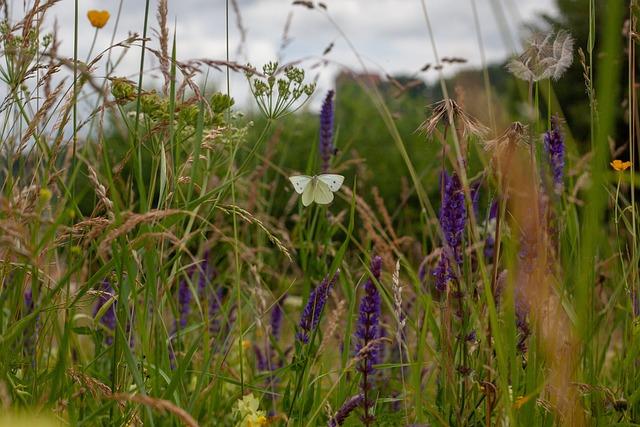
443, 111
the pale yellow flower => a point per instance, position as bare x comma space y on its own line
248, 412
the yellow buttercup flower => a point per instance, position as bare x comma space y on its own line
620, 166
98, 18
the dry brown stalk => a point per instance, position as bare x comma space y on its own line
334, 320
86, 230
240, 26
132, 222
536, 278
40, 114
384, 213
101, 192
157, 404
248, 217
163, 38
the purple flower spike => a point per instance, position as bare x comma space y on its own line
29, 334
184, 301
367, 331
204, 277
554, 144
108, 319
442, 273
28, 301
348, 407
313, 310
489, 243
214, 308
261, 361
276, 318
327, 148
453, 217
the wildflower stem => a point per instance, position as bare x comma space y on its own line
93, 44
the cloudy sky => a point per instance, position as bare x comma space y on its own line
390, 35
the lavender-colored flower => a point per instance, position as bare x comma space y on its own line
108, 319
204, 277
453, 216
352, 403
442, 273
474, 192
29, 334
276, 319
367, 331
215, 303
326, 146
184, 301
554, 144
489, 241
313, 310
28, 301
422, 271
261, 360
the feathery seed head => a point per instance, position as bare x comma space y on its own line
545, 56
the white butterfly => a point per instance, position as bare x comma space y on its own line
317, 188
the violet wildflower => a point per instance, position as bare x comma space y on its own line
276, 318
442, 273
453, 216
352, 403
489, 242
367, 332
554, 144
204, 277
28, 301
29, 334
327, 149
313, 310
475, 196
214, 308
422, 271
184, 300
108, 318
261, 360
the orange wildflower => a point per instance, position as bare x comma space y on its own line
98, 18
620, 166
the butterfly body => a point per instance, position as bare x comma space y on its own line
317, 188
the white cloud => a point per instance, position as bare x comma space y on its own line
388, 33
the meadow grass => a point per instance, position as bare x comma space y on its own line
159, 269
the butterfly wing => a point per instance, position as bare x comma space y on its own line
300, 182
333, 181
322, 194
309, 189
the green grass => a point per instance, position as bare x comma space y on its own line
147, 240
